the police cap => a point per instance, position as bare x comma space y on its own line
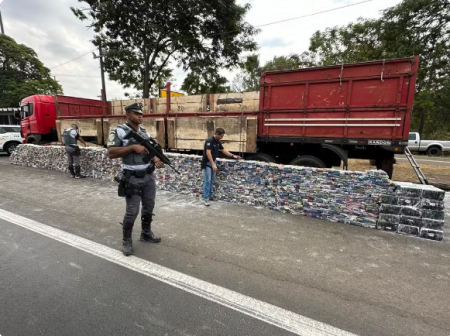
136, 107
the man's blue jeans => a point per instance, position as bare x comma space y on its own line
208, 182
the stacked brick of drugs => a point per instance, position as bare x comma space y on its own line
338, 196
414, 210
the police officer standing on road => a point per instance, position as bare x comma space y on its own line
139, 176
70, 137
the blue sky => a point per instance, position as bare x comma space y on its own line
50, 28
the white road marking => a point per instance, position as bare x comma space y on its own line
263, 311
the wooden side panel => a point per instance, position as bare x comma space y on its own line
160, 105
118, 106
252, 134
191, 133
188, 104
171, 133
87, 127
250, 102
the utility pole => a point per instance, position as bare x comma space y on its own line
102, 72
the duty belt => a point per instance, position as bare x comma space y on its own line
139, 173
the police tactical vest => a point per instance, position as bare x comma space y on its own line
68, 140
133, 158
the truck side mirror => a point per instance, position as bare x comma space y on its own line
17, 115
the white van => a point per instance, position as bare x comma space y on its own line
10, 138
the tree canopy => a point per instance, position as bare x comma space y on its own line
413, 27
142, 38
22, 74
201, 81
249, 78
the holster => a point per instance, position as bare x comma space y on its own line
77, 151
121, 192
126, 189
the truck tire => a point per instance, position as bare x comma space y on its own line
308, 161
261, 157
434, 151
11, 147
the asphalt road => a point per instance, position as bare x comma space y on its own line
49, 288
362, 281
426, 160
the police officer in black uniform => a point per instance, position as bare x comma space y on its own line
71, 137
139, 176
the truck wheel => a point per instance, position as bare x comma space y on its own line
9, 148
261, 157
308, 161
434, 151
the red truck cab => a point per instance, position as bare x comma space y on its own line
38, 119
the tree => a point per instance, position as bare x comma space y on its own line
201, 81
413, 27
291, 62
142, 37
22, 74
249, 78
356, 42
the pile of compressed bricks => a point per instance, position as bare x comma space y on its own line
413, 209
339, 196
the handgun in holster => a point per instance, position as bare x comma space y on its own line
123, 184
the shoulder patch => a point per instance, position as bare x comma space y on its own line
112, 136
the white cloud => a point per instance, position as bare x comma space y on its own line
50, 28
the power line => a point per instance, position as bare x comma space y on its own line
313, 14
64, 75
259, 26
73, 59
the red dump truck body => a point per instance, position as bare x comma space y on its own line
40, 112
365, 103
70, 107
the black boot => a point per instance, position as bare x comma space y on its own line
78, 172
147, 234
72, 171
127, 248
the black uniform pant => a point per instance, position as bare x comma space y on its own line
147, 186
73, 155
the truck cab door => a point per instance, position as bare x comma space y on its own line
27, 113
413, 142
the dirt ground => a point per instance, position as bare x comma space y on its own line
403, 172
